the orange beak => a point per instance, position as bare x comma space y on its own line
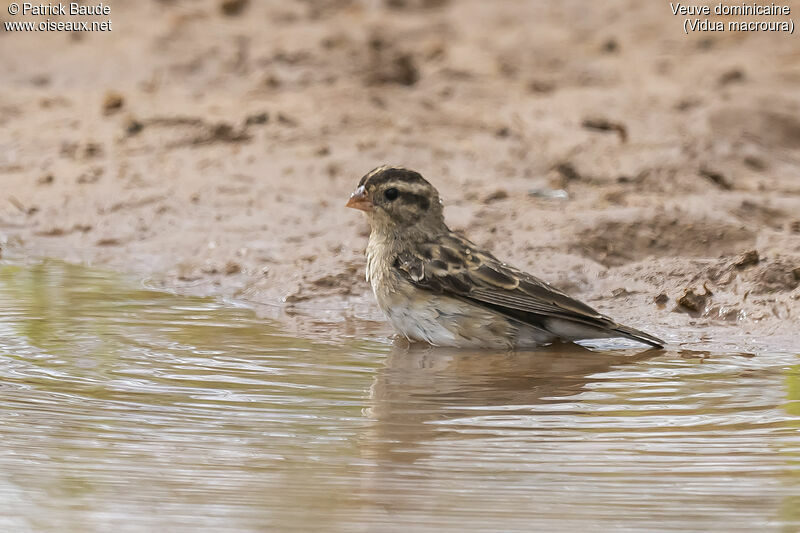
359, 200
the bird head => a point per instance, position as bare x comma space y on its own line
397, 199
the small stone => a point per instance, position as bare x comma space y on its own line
92, 149
272, 82
231, 268
732, 76
568, 171
603, 124
286, 120
684, 104
610, 46
717, 178
755, 163
332, 169
661, 299
541, 86
112, 103
231, 8
706, 44
391, 66
295, 297
747, 259
133, 126
499, 194
257, 118
52, 232
692, 301
553, 194
91, 175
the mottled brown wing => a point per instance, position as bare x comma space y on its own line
456, 267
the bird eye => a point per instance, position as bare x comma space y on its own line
391, 194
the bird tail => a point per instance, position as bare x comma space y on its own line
640, 336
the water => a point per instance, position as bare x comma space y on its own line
126, 409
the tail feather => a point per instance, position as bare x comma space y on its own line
640, 336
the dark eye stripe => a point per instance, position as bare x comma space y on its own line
420, 200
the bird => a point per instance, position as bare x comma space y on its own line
436, 286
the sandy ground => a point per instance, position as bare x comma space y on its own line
209, 146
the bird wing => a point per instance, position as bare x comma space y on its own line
454, 266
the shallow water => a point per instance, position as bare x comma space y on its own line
132, 410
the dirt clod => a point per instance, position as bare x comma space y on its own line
416, 4
232, 267
733, 75
747, 259
220, 132
499, 194
232, 7
257, 119
605, 125
389, 65
717, 178
286, 120
133, 127
755, 163
776, 277
568, 171
112, 102
55, 231
693, 302
610, 46
541, 86
89, 176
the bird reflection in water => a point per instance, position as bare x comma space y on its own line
420, 386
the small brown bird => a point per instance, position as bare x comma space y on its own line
438, 287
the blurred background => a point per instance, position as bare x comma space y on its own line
210, 145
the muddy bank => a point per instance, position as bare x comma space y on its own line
210, 147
